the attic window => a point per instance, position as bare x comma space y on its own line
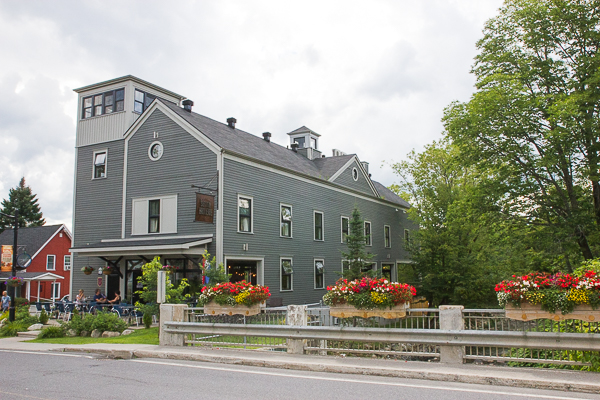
104, 103
142, 101
354, 174
300, 141
313, 143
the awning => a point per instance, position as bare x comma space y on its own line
146, 247
33, 276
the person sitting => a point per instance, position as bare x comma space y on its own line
99, 297
117, 299
80, 299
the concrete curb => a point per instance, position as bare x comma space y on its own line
479, 375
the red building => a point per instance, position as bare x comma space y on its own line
48, 277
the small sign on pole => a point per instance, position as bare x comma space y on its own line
7, 258
161, 287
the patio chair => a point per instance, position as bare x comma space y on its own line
38, 308
60, 307
137, 315
48, 308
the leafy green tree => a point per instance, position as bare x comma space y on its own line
215, 273
148, 294
358, 260
25, 201
533, 125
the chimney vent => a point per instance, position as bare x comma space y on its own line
231, 122
187, 105
294, 147
267, 136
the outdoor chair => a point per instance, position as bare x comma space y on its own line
48, 308
38, 308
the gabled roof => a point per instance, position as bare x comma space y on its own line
33, 238
303, 129
388, 195
245, 144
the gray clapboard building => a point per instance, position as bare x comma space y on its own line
154, 178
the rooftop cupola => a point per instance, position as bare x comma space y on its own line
307, 141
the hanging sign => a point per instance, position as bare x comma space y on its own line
205, 208
99, 281
7, 258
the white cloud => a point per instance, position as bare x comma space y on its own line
371, 77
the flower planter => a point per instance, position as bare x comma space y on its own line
107, 271
346, 311
87, 272
15, 284
213, 308
529, 312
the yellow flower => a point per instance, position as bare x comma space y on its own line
578, 296
377, 298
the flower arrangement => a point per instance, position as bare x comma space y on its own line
169, 268
369, 293
553, 292
14, 281
232, 294
87, 270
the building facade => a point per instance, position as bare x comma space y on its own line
154, 178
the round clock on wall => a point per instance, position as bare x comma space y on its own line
155, 151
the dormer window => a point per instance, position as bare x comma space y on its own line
104, 103
300, 142
313, 143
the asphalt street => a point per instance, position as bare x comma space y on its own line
53, 376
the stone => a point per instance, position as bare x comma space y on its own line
71, 332
96, 333
127, 332
35, 327
110, 334
84, 333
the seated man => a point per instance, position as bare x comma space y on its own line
99, 297
117, 298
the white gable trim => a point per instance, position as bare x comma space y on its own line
61, 228
361, 168
324, 184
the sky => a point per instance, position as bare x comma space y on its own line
372, 77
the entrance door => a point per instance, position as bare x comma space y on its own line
387, 272
132, 285
242, 270
112, 285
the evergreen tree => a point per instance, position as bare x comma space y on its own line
357, 262
25, 201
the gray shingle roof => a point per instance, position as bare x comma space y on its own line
246, 144
32, 238
388, 195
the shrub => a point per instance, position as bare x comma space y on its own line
11, 328
147, 320
43, 317
21, 301
103, 321
52, 332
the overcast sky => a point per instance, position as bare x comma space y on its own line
372, 77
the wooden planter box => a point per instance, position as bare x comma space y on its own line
215, 309
528, 312
346, 311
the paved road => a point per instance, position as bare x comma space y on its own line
53, 376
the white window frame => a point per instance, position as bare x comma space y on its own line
387, 237
105, 151
369, 238
67, 265
140, 215
54, 286
344, 261
355, 173
291, 289
342, 228
281, 206
373, 267
315, 212
393, 271
237, 208
53, 262
315, 273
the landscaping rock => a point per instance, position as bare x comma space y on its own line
84, 333
35, 327
71, 332
110, 334
96, 333
127, 332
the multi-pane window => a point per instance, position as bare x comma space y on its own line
244, 214
368, 241
318, 225
142, 101
319, 274
50, 262
286, 221
67, 263
345, 229
104, 103
154, 216
386, 236
100, 164
406, 236
287, 274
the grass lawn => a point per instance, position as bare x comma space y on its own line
139, 336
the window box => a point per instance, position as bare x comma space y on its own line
213, 308
347, 311
529, 312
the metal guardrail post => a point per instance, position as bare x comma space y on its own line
171, 313
451, 319
296, 316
